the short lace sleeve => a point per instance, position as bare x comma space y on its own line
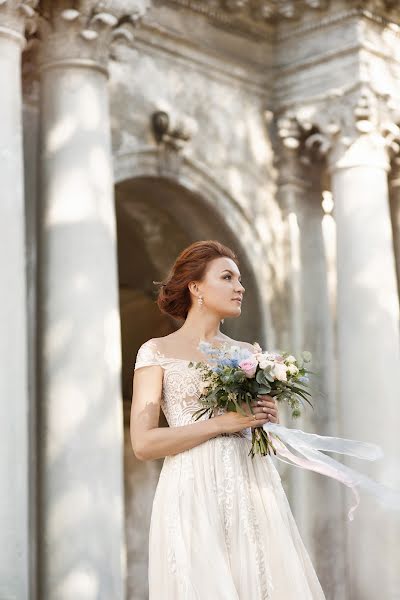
147, 355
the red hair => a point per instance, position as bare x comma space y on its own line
191, 265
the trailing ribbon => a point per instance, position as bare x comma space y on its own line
308, 445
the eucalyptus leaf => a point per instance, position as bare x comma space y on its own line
264, 390
260, 377
239, 376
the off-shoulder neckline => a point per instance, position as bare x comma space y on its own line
186, 360
174, 358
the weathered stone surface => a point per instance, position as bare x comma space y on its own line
262, 102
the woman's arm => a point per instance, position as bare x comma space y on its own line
149, 441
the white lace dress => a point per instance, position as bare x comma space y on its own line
221, 525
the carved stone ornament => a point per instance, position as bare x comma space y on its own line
18, 18
272, 11
85, 32
269, 10
336, 127
172, 130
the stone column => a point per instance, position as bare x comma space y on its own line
82, 550
14, 402
394, 196
316, 501
368, 344
291, 194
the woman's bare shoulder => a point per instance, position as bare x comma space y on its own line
164, 342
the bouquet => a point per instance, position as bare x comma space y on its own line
234, 375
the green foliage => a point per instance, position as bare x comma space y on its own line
230, 389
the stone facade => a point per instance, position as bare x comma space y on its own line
137, 129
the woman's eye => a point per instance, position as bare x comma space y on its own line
230, 277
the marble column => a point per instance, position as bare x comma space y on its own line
14, 403
394, 196
291, 195
368, 351
316, 501
82, 547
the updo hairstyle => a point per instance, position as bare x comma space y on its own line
191, 265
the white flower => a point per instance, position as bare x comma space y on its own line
275, 356
204, 385
280, 371
263, 360
292, 369
290, 359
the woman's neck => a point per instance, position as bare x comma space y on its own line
197, 328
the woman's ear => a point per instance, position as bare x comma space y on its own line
193, 287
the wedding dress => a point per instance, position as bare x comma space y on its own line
221, 525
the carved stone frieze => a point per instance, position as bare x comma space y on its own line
86, 31
237, 12
270, 10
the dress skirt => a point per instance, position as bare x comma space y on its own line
222, 529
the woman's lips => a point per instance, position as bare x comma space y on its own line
237, 300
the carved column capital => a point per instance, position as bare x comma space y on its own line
17, 18
85, 36
290, 155
351, 129
294, 181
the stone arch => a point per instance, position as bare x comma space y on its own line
159, 214
228, 221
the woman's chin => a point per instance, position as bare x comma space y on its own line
235, 313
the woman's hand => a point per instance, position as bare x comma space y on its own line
233, 421
268, 405
264, 410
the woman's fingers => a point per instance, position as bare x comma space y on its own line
259, 420
268, 405
257, 410
265, 398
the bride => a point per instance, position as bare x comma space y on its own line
221, 525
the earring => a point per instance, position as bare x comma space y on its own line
200, 300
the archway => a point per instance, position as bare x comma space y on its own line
156, 219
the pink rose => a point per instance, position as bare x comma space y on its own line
248, 366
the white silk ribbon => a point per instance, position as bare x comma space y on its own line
308, 445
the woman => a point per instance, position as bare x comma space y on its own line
221, 525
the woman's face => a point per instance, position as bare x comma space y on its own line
221, 288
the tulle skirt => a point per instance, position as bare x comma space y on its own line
222, 529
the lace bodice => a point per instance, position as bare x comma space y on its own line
181, 384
